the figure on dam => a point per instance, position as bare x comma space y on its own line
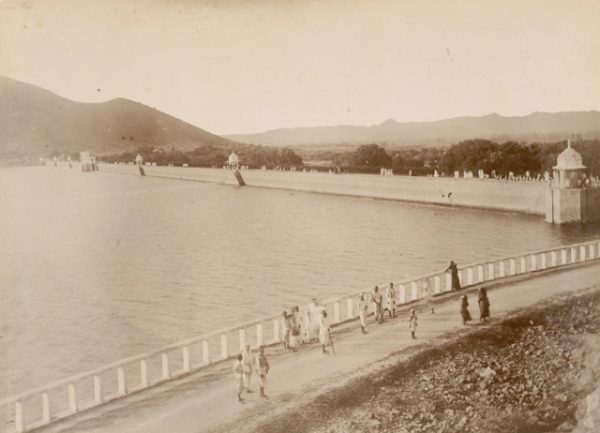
363, 307
412, 323
262, 369
238, 372
247, 368
324, 332
377, 300
286, 329
464, 310
484, 305
391, 300
454, 270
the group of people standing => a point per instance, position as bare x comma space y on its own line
314, 325
484, 306
244, 365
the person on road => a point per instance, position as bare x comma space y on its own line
363, 307
412, 323
484, 305
391, 300
294, 326
324, 332
238, 372
464, 310
247, 368
454, 270
377, 300
285, 330
262, 369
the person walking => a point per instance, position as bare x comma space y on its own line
464, 309
377, 299
262, 369
238, 372
412, 323
455, 280
363, 307
324, 332
484, 305
391, 300
247, 367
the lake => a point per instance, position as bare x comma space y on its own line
95, 267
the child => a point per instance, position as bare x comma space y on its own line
412, 323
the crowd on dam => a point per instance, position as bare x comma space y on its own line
313, 325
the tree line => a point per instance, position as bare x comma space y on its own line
212, 156
466, 155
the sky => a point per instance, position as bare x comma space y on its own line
234, 66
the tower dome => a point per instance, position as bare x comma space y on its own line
569, 159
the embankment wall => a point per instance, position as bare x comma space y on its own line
528, 197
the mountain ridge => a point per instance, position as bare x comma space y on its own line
537, 126
35, 121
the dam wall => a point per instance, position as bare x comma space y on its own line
528, 197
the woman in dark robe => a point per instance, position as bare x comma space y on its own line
464, 310
455, 280
484, 305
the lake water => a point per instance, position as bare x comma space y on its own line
95, 267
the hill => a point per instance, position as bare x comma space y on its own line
536, 127
35, 122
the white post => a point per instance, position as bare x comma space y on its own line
121, 381
573, 255
336, 312
414, 290
480, 276
224, 351
144, 373
592, 252
276, 337
533, 262
543, 264
460, 276
19, 425
491, 271
437, 284
97, 389
448, 283
242, 333
582, 251
553, 258
501, 270
512, 266
165, 366
523, 267
259, 335
470, 276
186, 358
402, 294
72, 399
563, 257
350, 306
205, 353
45, 408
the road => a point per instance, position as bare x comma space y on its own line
206, 401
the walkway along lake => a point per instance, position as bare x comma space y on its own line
96, 267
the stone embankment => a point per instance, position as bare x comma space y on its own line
535, 371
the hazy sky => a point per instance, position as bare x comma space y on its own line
246, 66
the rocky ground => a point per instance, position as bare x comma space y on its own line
537, 371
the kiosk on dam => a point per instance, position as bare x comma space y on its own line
570, 198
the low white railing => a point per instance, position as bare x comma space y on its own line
61, 399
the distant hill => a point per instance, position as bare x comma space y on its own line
35, 122
541, 127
